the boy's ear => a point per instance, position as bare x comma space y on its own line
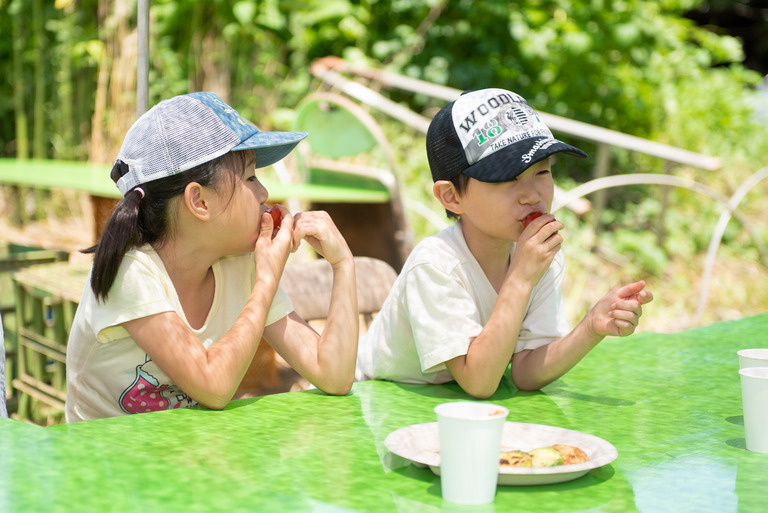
196, 200
446, 194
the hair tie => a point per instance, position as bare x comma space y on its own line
140, 191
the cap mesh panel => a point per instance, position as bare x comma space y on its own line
444, 151
176, 135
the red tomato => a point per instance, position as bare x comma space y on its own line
530, 218
275, 213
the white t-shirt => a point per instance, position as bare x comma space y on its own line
439, 303
108, 374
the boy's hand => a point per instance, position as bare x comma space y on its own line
537, 247
618, 312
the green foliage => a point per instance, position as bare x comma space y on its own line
632, 65
642, 248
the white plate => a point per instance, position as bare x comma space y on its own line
420, 443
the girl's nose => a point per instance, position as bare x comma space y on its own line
262, 193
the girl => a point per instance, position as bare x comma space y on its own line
185, 278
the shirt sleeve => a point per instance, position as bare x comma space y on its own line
137, 292
281, 306
443, 316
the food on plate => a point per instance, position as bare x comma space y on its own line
530, 218
571, 454
546, 457
551, 456
515, 459
275, 213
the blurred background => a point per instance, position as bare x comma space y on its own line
686, 74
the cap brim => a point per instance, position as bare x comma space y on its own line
508, 163
270, 147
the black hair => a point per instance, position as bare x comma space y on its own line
459, 182
137, 220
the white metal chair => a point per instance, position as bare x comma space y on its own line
347, 148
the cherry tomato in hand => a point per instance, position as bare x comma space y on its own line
276, 219
530, 218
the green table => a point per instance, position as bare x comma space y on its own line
670, 404
94, 180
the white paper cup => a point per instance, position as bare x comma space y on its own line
754, 396
470, 446
753, 358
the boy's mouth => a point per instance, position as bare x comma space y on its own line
530, 217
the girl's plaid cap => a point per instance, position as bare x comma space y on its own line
185, 131
491, 135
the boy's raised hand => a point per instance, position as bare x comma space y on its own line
618, 312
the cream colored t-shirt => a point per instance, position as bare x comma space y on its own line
439, 303
108, 374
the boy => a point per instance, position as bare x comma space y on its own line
488, 289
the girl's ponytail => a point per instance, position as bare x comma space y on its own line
120, 234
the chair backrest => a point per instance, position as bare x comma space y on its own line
338, 128
309, 284
347, 148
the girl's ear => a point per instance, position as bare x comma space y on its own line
446, 194
196, 200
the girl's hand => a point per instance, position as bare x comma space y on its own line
618, 312
273, 246
536, 248
318, 229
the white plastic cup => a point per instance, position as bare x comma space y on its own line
470, 446
754, 396
753, 358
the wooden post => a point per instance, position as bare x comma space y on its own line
661, 233
600, 170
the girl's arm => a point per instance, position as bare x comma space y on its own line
327, 360
212, 376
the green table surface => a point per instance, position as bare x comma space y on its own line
669, 403
94, 179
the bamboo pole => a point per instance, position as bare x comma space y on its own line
19, 108
39, 139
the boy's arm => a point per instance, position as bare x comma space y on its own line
617, 314
480, 370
